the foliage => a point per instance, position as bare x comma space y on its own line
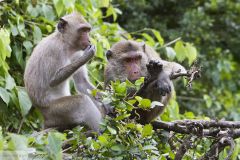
25, 23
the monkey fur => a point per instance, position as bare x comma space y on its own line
131, 60
52, 63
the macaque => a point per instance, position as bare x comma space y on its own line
53, 61
131, 60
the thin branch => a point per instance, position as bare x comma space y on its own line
193, 73
20, 127
169, 43
186, 144
35, 134
218, 147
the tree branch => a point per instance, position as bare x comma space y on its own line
223, 132
186, 144
219, 146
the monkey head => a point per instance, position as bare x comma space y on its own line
126, 60
75, 31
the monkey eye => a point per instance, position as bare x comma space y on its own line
128, 60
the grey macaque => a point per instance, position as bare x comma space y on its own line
51, 65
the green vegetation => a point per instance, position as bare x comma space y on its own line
212, 26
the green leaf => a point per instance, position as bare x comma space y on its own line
147, 130
191, 53
34, 12
24, 101
149, 147
37, 36
5, 50
69, 3
111, 130
121, 88
117, 148
156, 103
28, 45
54, 145
139, 82
145, 103
14, 30
189, 115
158, 36
171, 54
48, 12
96, 145
104, 3
58, 4
121, 117
111, 11
103, 139
10, 82
180, 51
49, 28
208, 100
18, 142
4, 95
100, 52
138, 98
150, 40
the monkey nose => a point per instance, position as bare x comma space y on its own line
135, 72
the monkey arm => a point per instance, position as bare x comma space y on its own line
65, 72
172, 67
81, 80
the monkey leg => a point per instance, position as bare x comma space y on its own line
70, 111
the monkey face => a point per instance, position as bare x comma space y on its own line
83, 32
127, 60
132, 65
75, 31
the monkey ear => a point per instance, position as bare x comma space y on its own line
62, 25
108, 54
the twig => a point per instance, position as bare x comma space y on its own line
186, 144
67, 149
217, 147
20, 127
169, 43
42, 132
193, 73
66, 143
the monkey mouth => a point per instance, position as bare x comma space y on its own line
85, 45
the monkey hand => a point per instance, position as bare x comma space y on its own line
90, 51
154, 67
163, 84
